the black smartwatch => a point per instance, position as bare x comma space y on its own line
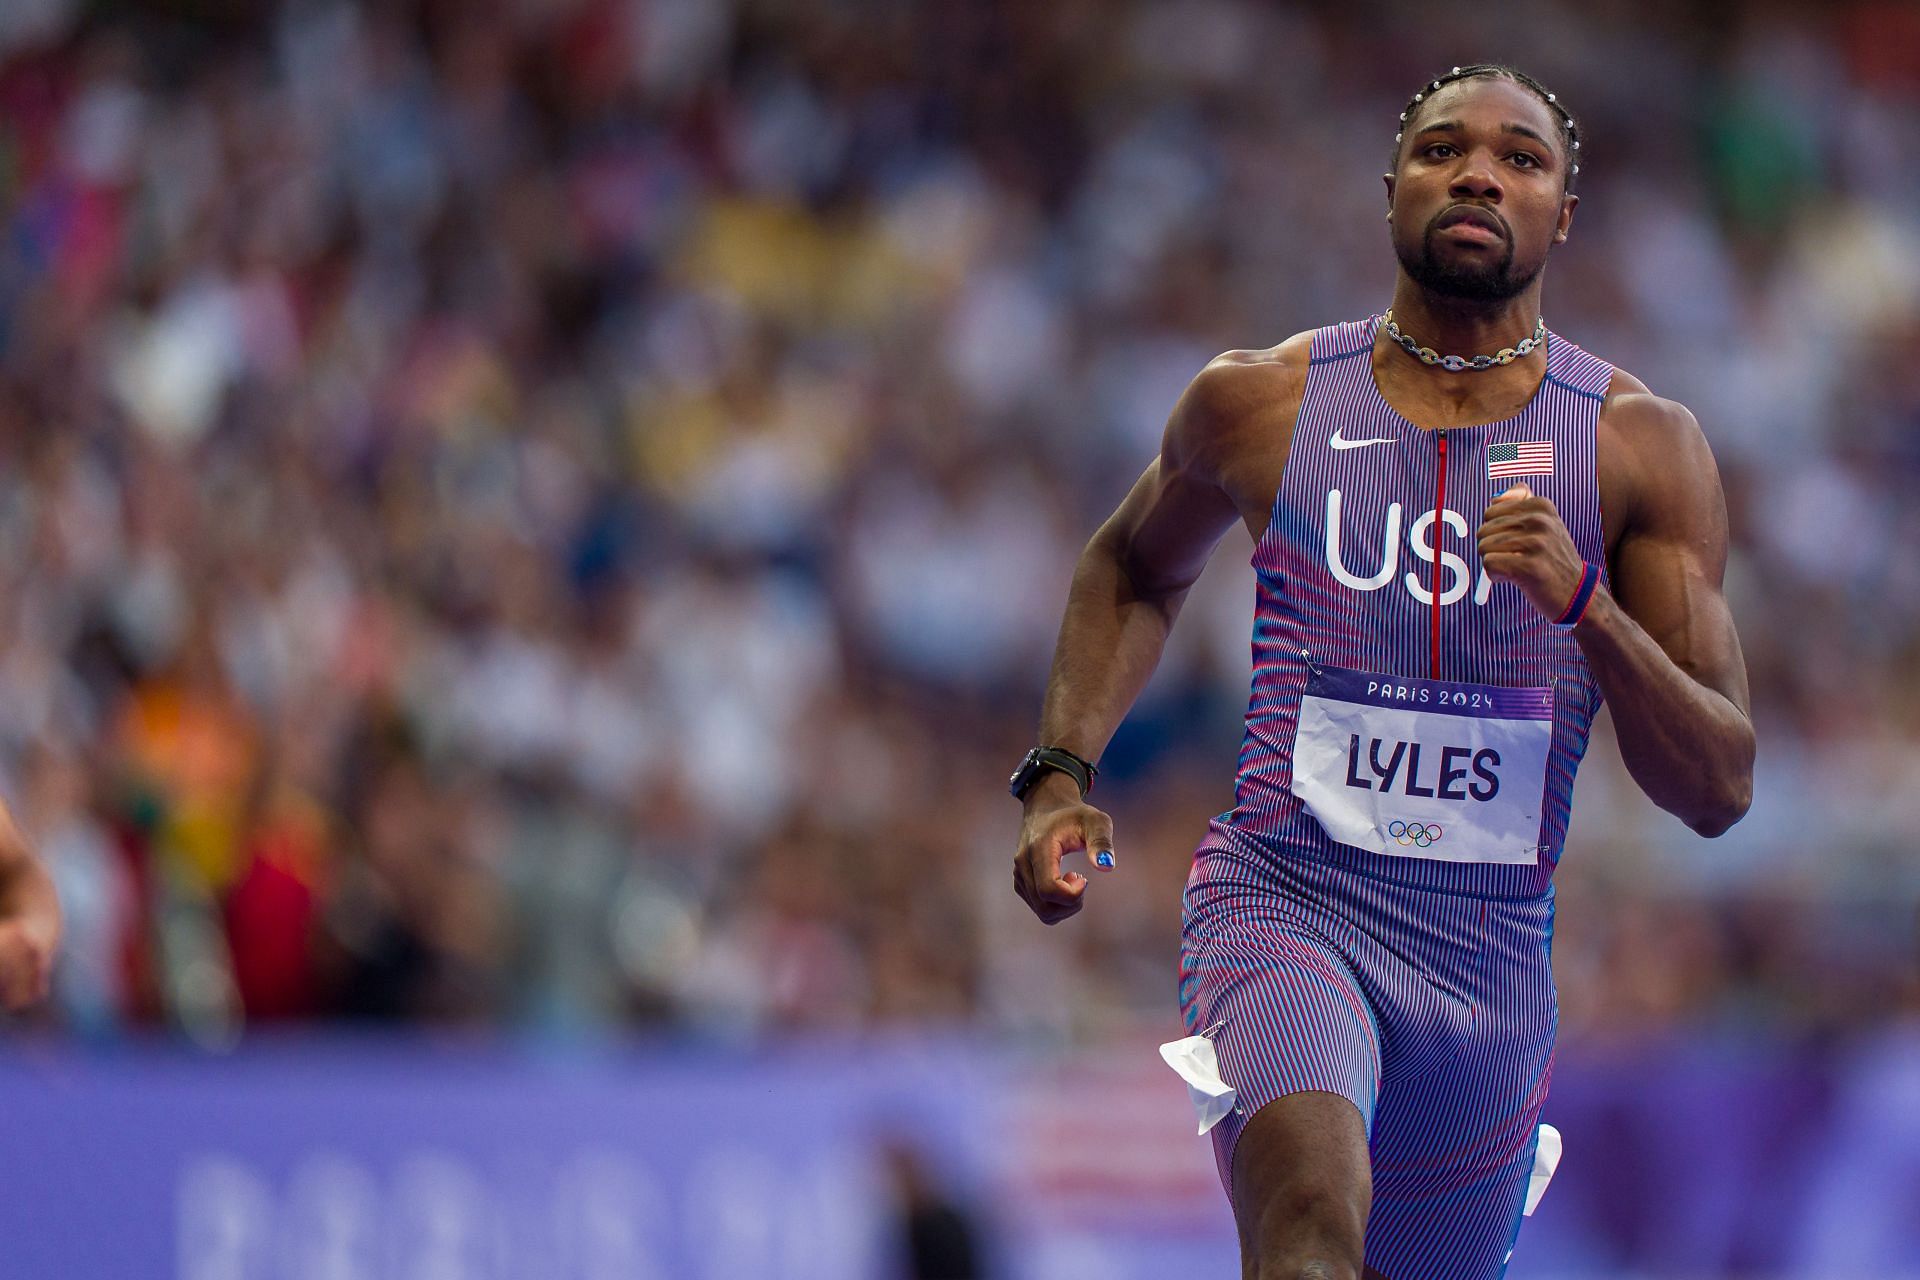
1041, 759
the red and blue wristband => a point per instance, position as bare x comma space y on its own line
1577, 607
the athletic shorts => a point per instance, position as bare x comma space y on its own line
1433, 1012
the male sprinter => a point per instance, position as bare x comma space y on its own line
1468, 530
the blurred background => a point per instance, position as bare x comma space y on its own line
531, 534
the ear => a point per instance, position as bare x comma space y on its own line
1388, 179
1567, 204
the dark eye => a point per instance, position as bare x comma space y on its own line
1431, 148
1526, 160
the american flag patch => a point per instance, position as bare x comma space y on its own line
1528, 458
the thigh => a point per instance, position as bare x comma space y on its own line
1286, 1016
1465, 1076
1453, 1148
1442, 1211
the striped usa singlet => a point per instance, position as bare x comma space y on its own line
1410, 976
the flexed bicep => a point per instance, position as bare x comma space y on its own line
1661, 641
1219, 461
1165, 531
1670, 565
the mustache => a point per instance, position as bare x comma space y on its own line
1433, 223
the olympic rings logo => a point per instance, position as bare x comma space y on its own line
1418, 834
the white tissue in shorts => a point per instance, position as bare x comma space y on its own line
1194, 1059
1546, 1158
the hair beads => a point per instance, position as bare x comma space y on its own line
1569, 130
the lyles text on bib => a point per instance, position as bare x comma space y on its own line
1424, 768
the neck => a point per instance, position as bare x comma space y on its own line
1464, 327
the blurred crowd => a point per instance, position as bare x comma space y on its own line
552, 514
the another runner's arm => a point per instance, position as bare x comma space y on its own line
1663, 646
29, 919
1135, 572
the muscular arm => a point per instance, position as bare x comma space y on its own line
1663, 645
1225, 433
1135, 572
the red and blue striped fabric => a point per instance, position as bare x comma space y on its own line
1419, 989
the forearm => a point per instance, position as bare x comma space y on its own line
1688, 747
1110, 642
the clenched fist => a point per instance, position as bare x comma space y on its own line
1523, 541
1058, 822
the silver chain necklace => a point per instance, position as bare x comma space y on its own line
1455, 364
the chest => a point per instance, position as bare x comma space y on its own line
1376, 470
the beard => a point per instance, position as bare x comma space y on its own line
1467, 277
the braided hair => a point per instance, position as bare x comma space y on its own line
1569, 131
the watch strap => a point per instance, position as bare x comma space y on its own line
1040, 760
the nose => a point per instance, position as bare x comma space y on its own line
1475, 179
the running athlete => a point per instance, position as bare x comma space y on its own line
1468, 530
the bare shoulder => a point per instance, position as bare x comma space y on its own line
1237, 399
1640, 416
1653, 454
1235, 378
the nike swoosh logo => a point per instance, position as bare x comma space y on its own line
1338, 443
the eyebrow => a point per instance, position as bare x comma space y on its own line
1450, 126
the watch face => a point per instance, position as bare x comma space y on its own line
1028, 767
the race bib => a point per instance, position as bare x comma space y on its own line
1424, 768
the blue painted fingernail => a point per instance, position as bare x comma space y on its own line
1105, 859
